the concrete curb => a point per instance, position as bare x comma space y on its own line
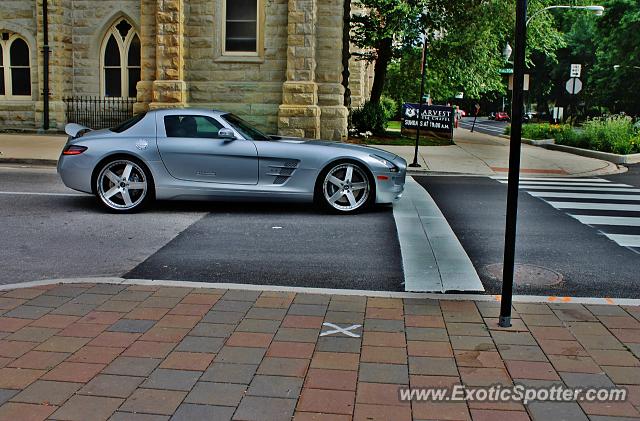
326, 291
605, 156
432, 257
29, 161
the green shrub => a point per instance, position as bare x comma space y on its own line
370, 117
613, 134
389, 106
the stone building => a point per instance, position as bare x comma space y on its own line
277, 63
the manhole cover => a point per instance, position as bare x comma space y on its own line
528, 275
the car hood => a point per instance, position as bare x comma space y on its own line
340, 145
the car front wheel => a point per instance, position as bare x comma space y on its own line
123, 185
345, 188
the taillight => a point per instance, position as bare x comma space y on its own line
74, 150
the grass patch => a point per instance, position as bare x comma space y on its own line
394, 126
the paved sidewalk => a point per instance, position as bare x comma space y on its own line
474, 153
150, 352
482, 154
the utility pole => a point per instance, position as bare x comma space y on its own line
517, 104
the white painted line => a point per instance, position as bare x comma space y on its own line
604, 188
608, 220
625, 240
432, 257
328, 291
31, 193
596, 206
590, 180
338, 329
634, 197
562, 183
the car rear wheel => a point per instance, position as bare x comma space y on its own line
346, 188
123, 185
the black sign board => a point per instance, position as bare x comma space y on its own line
436, 120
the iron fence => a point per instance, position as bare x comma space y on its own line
98, 112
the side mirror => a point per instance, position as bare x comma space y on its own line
226, 134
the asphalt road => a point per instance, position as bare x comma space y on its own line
484, 125
591, 264
49, 231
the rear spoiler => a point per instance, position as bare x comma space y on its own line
76, 130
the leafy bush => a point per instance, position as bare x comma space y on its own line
389, 106
539, 131
370, 117
615, 134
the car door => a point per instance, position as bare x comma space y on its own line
191, 150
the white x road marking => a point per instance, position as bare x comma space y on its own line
338, 329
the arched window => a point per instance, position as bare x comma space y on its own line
15, 70
120, 61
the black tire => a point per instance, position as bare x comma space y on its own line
123, 184
345, 187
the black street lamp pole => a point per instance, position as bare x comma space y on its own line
514, 164
415, 164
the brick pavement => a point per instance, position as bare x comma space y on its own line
140, 352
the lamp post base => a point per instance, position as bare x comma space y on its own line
504, 321
415, 165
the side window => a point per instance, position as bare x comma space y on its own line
193, 126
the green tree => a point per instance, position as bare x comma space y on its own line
383, 27
464, 40
618, 44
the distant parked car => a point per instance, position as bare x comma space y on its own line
492, 116
463, 113
502, 116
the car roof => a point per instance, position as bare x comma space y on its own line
183, 110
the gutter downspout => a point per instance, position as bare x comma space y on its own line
346, 54
45, 52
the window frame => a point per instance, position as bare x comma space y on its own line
6, 66
259, 34
215, 121
123, 48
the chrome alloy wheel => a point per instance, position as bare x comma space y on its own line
346, 187
122, 185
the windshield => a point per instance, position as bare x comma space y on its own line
128, 123
247, 130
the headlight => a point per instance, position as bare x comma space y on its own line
385, 162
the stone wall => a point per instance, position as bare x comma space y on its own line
249, 86
292, 86
19, 16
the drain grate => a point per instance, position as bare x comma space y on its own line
527, 275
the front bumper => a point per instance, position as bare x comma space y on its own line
390, 185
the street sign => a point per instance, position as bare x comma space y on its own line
575, 70
506, 71
526, 83
574, 85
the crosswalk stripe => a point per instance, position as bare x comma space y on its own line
604, 188
591, 180
596, 206
630, 197
625, 240
608, 220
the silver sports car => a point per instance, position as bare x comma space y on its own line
194, 154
